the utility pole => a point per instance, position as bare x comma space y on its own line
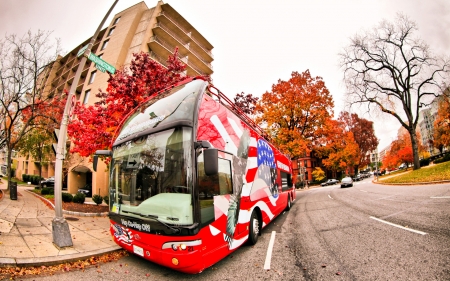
60, 227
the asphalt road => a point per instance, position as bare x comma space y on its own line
365, 232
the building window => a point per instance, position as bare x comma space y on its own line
111, 31
306, 163
105, 44
116, 21
86, 96
91, 80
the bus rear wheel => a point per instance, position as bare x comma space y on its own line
289, 203
254, 229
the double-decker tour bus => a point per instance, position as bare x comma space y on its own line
192, 178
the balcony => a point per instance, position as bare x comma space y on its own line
171, 24
163, 49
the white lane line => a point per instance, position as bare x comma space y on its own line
269, 251
330, 197
440, 197
399, 226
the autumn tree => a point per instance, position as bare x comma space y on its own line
94, 126
246, 102
23, 64
363, 133
389, 70
339, 150
318, 174
295, 111
441, 135
37, 143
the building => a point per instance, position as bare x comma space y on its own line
157, 31
427, 117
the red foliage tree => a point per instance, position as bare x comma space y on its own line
247, 102
95, 125
363, 133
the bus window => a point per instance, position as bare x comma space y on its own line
210, 186
286, 181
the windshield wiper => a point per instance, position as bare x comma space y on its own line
141, 215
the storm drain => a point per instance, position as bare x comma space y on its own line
71, 218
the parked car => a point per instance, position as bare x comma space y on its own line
49, 182
358, 177
86, 190
402, 166
329, 182
347, 181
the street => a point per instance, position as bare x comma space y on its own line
364, 232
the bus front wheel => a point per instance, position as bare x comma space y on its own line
254, 229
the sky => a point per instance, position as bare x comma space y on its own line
256, 42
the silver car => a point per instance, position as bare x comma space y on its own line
347, 181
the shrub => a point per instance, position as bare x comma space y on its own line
97, 199
67, 197
79, 198
424, 162
47, 191
442, 159
106, 199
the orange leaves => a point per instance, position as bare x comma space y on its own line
14, 272
441, 136
295, 112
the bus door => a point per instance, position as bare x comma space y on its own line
219, 197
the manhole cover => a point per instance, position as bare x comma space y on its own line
71, 219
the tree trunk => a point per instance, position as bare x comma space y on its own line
415, 148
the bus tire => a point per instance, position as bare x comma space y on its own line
289, 203
254, 228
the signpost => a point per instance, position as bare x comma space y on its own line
60, 227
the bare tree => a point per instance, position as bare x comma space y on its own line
389, 70
23, 63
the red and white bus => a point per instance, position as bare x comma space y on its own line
192, 178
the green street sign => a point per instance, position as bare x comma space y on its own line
101, 64
82, 50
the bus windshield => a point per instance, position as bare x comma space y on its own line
151, 177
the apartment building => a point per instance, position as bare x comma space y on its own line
158, 31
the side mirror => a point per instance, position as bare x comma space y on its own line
97, 153
211, 157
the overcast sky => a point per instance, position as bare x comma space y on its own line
255, 42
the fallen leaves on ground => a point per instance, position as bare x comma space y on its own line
15, 272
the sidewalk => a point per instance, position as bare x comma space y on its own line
26, 233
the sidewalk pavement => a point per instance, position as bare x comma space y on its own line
26, 237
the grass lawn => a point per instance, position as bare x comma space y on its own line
431, 173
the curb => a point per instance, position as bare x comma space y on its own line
412, 183
27, 262
80, 214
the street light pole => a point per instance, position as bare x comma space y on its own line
60, 227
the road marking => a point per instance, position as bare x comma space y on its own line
269, 251
363, 190
399, 226
440, 197
330, 197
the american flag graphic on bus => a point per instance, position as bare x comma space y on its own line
122, 234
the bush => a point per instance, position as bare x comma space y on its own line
106, 199
442, 159
67, 197
79, 198
424, 162
97, 199
47, 191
